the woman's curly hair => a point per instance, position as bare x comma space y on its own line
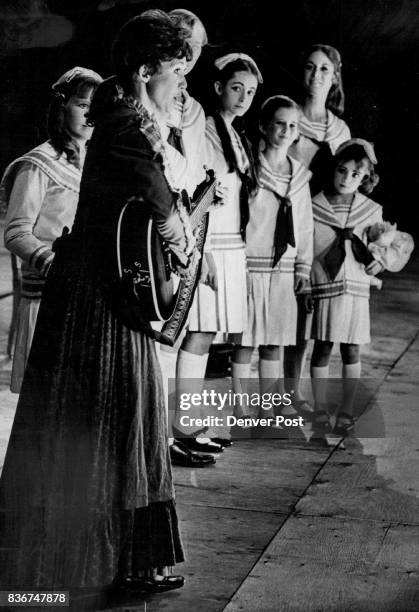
148, 39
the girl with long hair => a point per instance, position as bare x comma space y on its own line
322, 130
220, 303
41, 191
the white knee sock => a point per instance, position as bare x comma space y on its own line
268, 380
240, 373
319, 381
190, 365
351, 374
268, 375
190, 375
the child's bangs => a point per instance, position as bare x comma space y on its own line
355, 153
83, 87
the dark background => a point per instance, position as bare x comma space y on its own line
378, 40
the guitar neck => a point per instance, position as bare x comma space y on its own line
203, 202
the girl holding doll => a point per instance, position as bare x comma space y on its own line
342, 265
279, 244
220, 303
322, 130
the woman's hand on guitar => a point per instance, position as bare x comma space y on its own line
221, 194
209, 272
185, 271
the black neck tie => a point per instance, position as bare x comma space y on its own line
175, 139
319, 166
244, 202
336, 254
284, 229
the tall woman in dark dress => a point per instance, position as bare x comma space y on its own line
86, 494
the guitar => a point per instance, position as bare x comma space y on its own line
145, 262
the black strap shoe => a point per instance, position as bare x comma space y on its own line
193, 444
149, 585
226, 442
181, 456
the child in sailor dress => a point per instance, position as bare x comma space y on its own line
341, 306
220, 302
333, 133
279, 248
319, 138
224, 310
323, 99
340, 276
272, 304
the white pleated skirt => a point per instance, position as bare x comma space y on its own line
25, 327
272, 309
345, 318
224, 310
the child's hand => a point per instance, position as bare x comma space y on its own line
300, 283
248, 287
209, 272
308, 303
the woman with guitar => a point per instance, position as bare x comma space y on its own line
86, 494
220, 303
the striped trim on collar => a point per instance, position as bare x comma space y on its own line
186, 111
282, 185
56, 167
362, 208
332, 133
213, 137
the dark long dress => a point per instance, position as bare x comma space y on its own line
86, 491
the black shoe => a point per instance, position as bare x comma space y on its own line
149, 585
223, 441
345, 422
202, 447
180, 455
321, 421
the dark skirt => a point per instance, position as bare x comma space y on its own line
86, 491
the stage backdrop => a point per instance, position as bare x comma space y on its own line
378, 40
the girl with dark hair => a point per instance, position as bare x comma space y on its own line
321, 132
220, 304
86, 493
341, 275
279, 246
40, 190
322, 104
